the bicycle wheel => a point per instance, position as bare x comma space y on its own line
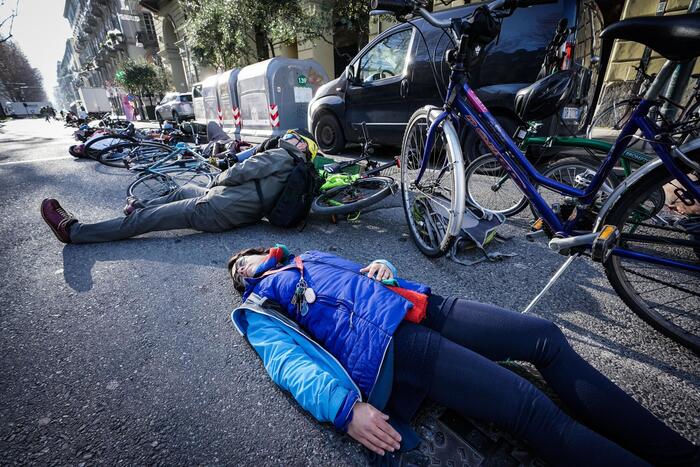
490, 187
691, 123
434, 207
575, 171
613, 116
354, 197
96, 145
666, 298
135, 153
154, 185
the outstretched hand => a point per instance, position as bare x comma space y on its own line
370, 427
378, 271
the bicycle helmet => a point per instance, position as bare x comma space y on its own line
302, 134
546, 96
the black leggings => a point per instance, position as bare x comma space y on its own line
466, 379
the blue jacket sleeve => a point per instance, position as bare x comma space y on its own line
293, 369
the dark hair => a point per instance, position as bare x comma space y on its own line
237, 284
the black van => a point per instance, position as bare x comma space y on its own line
392, 75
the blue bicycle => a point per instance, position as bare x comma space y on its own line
646, 232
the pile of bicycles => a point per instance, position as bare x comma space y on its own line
643, 225
112, 146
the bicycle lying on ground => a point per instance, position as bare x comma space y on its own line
645, 233
114, 147
182, 166
347, 188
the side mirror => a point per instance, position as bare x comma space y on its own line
350, 74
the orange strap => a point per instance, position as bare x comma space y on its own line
419, 300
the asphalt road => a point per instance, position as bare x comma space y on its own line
125, 353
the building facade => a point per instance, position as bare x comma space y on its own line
67, 74
170, 19
105, 34
620, 75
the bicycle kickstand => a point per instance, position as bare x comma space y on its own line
551, 282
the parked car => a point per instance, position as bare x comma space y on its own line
175, 106
393, 75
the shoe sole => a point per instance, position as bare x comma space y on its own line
43, 216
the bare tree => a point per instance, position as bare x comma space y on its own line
21, 82
11, 20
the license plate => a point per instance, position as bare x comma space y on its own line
569, 113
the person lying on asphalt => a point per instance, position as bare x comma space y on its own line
361, 348
231, 202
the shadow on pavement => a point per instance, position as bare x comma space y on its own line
78, 260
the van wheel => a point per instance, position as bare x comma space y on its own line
329, 135
473, 147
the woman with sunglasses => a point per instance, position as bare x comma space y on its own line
361, 348
232, 201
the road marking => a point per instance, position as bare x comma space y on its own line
38, 160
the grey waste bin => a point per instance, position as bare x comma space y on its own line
212, 110
274, 95
228, 102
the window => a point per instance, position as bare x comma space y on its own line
197, 91
150, 28
186, 98
386, 59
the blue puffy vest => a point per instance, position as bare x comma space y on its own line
353, 317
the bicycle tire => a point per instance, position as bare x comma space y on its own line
691, 113
574, 165
622, 215
433, 219
484, 174
113, 156
379, 187
153, 185
118, 139
612, 116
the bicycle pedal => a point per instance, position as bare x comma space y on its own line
538, 224
532, 236
537, 230
607, 239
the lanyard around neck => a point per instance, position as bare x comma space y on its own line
298, 264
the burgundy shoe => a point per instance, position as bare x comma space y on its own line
132, 204
58, 219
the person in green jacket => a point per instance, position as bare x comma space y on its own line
232, 201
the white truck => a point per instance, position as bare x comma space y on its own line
95, 101
24, 109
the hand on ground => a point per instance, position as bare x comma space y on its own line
370, 427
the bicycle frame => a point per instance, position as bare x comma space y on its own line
463, 104
153, 168
629, 156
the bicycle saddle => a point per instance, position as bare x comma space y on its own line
545, 97
675, 37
